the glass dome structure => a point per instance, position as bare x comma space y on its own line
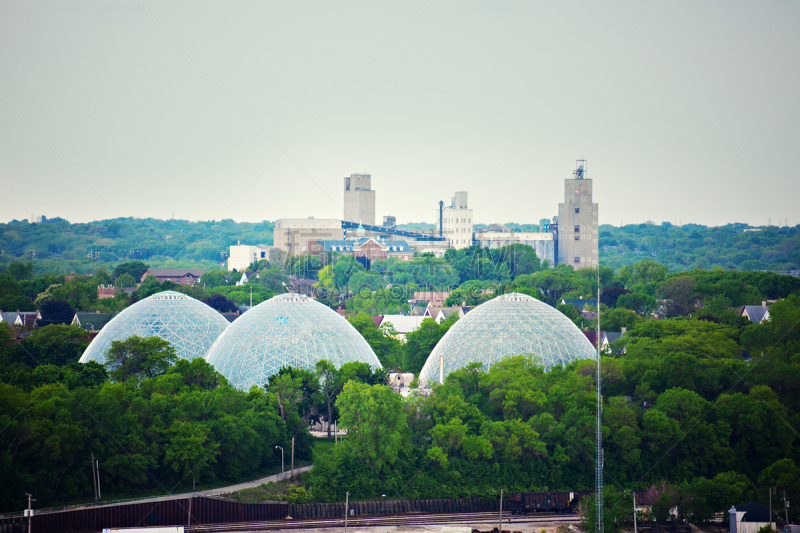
286, 330
190, 326
510, 324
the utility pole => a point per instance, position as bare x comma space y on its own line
30, 511
94, 478
346, 509
97, 469
292, 457
500, 527
634, 512
786, 507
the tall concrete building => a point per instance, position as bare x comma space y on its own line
359, 199
456, 222
577, 222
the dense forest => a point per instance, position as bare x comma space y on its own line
706, 411
59, 247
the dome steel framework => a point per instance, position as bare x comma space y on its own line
510, 324
189, 325
287, 330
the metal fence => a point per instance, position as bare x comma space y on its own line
177, 512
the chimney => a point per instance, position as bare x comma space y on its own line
624, 330
764, 304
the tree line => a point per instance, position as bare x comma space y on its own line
156, 424
704, 411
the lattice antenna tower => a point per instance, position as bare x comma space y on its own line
580, 170
598, 483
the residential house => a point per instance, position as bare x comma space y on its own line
579, 303
433, 298
20, 318
92, 322
182, 276
443, 313
402, 324
756, 313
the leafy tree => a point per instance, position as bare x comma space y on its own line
220, 303
330, 384
213, 278
420, 343
642, 304
149, 286
680, 295
189, 449
56, 312
137, 357
782, 474
616, 319
382, 340
610, 295
135, 269
125, 280
19, 270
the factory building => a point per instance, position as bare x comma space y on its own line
455, 223
294, 235
542, 243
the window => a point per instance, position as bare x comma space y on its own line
577, 229
577, 237
577, 210
577, 260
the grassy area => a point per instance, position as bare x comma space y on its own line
291, 490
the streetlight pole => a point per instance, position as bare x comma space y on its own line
281, 458
292, 457
346, 509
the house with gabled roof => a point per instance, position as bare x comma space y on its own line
181, 276
440, 314
20, 318
92, 322
756, 313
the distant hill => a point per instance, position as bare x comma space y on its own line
734, 246
61, 247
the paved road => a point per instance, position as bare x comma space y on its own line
212, 492
248, 485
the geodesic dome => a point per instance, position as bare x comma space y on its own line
510, 324
189, 325
287, 330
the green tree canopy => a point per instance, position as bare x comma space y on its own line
139, 358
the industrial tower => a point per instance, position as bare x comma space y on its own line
359, 199
578, 234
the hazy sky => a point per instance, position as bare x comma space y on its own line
686, 111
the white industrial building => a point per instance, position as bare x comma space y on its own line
241, 255
456, 222
542, 243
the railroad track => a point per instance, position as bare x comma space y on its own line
416, 519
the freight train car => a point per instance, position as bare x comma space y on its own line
546, 502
